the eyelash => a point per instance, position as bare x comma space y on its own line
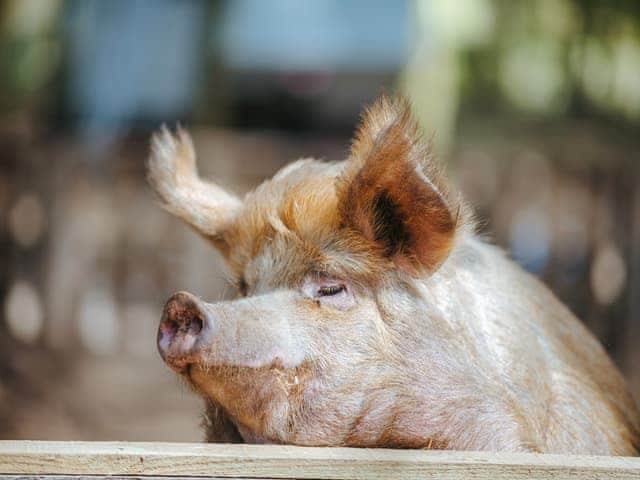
331, 290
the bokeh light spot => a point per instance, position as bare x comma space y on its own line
608, 274
23, 312
98, 322
27, 220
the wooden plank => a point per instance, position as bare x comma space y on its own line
111, 477
107, 477
34, 458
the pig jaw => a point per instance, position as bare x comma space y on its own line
260, 402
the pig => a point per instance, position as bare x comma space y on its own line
370, 313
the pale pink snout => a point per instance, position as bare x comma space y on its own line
183, 330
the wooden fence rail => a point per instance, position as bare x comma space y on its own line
72, 460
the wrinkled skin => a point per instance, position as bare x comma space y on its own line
371, 314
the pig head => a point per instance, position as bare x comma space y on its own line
370, 313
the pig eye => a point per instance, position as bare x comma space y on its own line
330, 290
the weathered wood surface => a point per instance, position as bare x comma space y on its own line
33, 459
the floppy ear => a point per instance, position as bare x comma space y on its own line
172, 172
391, 193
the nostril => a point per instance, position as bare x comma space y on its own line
187, 322
169, 327
195, 325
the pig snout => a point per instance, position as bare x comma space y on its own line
184, 324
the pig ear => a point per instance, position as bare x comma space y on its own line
172, 172
392, 194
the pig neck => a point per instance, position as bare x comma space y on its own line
446, 383
485, 347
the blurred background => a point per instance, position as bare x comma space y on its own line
533, 106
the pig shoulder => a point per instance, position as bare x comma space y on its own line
551, 373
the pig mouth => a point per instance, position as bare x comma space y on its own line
184, 365
285, 376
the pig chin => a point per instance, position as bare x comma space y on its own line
260, 401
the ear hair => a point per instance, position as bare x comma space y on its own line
392, 193
172, 172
